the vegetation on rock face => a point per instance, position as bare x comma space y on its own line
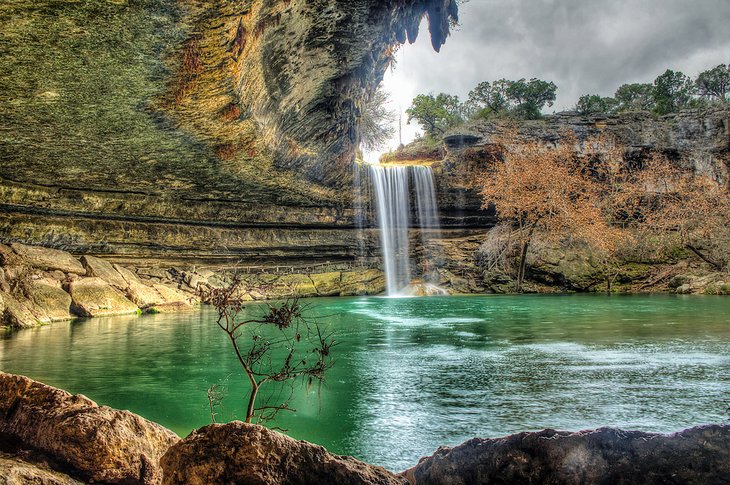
670, 92
281, 346
587, 193
520, 99
376, 121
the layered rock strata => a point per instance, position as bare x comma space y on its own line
211, 130
41, 285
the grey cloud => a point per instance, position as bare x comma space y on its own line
584, 46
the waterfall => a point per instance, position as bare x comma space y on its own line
392, 203
428, 216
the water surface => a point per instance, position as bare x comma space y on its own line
416, 373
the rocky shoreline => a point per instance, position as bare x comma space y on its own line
40, 285
51, 437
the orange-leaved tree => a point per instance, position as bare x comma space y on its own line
550, 188
681, 206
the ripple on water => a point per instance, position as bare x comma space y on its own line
415, 373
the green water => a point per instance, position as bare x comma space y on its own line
413, 374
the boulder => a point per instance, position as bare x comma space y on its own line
16, 471
250, 454
49, 298
94, 297
48, 259
174, 300
141, 294
16, 313
97, 443
104, 270
698, 455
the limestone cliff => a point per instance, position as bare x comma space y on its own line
214, 128
692, 138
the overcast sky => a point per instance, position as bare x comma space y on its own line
584, 46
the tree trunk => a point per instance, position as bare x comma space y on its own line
523, 264
704, 258
251, 403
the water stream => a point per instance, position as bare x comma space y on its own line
392, 193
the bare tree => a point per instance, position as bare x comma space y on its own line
279, 346
376, 121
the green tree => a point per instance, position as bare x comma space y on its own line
635, 97
715, 83
488, 98
672, 91
436, 114
530, 97
593, 103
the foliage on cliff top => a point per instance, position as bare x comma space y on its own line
587, 192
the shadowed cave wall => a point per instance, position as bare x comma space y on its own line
208, 130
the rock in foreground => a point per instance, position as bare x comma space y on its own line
248, 454
94, 443
695, 456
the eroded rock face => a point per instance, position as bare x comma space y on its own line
695, 456
16, 471
249, 454
97, 443
205, 130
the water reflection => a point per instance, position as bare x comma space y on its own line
412, 374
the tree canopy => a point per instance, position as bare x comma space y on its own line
670, 92
715, 83
437, 113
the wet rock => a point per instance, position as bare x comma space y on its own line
695, 456
104, 270
98, 443
94, 297
49, 298
16, 471
48, 259
250, 454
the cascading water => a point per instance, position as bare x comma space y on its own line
392, 204
428, 217
393, 209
